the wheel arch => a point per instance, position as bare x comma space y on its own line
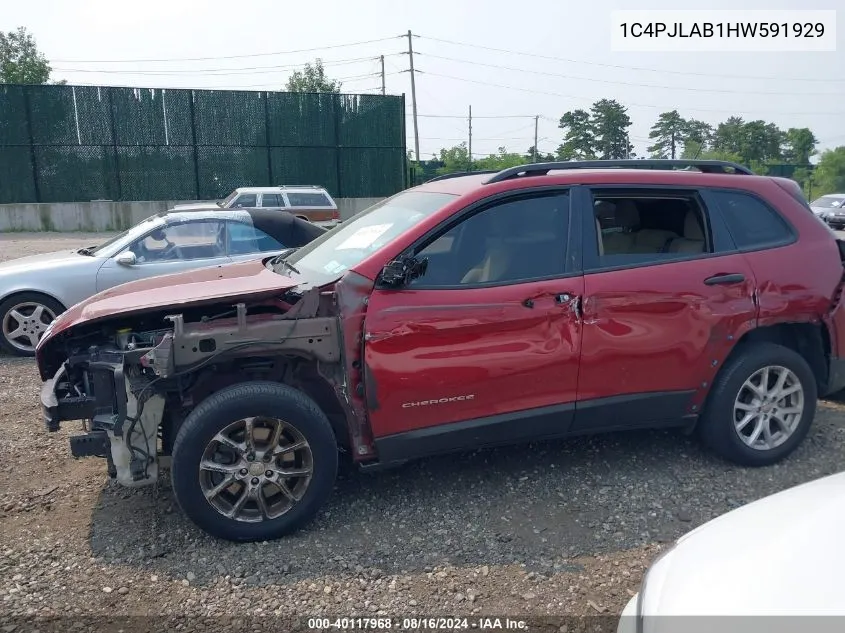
302, 373
811, 340
30, 291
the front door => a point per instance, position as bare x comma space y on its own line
666, 295
484, 347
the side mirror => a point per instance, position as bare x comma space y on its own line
400, 272
126, 258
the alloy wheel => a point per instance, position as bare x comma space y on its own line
256, 469
768, 408
25, 323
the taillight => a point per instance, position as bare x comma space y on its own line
335, 215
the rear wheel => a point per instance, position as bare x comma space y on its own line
254, 462
24, 319
761, 406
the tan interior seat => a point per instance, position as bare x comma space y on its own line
693, 239
491, 268
627, 218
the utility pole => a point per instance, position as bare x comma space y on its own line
469, 156
414, 96
536, 121
381, 58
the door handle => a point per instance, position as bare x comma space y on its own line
731, 278
563, 297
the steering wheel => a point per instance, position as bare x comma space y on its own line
169, 251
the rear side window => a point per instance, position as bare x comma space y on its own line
752, 223
308, 200
272, 200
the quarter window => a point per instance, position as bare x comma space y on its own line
245, 239
517, 240
752, 223
308, 200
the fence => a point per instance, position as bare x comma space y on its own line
63, 143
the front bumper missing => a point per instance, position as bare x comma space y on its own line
122, 427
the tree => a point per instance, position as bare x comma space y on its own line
312, 79
454, 159
668, 134
761, 142
829, 174
610, 122
800, 145
20, 60
579, 139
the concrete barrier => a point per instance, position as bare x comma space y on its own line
105, 215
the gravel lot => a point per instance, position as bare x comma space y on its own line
546, 529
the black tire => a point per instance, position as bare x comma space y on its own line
716, 427
229, 405
24, 297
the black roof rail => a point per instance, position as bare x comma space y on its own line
459, 174
541, 169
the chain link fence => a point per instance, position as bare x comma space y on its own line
62, 143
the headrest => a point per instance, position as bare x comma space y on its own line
627, 215
692, 229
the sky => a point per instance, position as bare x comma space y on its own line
555, 56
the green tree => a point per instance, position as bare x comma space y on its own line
829, 174
730, 136
454, 159
541, 157
762, 142
610, 122
20, 60
579, 140
312, 79
800, 145
668, 134
500, 160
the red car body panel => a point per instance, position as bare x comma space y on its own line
650, 329
481, 347
246, 280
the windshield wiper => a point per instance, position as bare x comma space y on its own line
281, 258
86, 251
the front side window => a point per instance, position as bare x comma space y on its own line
338, 250
752, 223
246, 200
245, 239
518, 240
202, 239
649, 227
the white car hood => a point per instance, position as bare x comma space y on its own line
784, 554
44, 261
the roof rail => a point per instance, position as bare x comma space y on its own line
459, 174
541, 169
299, 186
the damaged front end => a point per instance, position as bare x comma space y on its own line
133, 379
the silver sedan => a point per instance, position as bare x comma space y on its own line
34, 290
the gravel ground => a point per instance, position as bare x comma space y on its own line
563, 528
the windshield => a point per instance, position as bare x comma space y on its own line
338, 250
228, 199
127, 236
827, 202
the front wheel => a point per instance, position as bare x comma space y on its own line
24, 318
761, 406
254, 461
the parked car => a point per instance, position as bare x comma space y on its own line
35, 289
308, 202
779, 556
542, 301
831, 209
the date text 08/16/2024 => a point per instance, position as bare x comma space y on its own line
418, 624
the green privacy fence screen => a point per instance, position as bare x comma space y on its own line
63, 143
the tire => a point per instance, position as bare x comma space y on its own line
23, 303
302, 419
717, 427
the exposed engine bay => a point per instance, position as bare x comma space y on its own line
133, 381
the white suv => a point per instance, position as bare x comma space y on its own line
309, 202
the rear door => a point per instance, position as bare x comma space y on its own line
666, 294
483, 348
171, 249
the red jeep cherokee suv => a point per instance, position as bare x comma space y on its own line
480, 309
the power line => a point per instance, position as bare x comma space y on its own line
463, 116
221, 71
200, 59
642, 105
653, 70
626, 83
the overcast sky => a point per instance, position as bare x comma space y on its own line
569, 41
